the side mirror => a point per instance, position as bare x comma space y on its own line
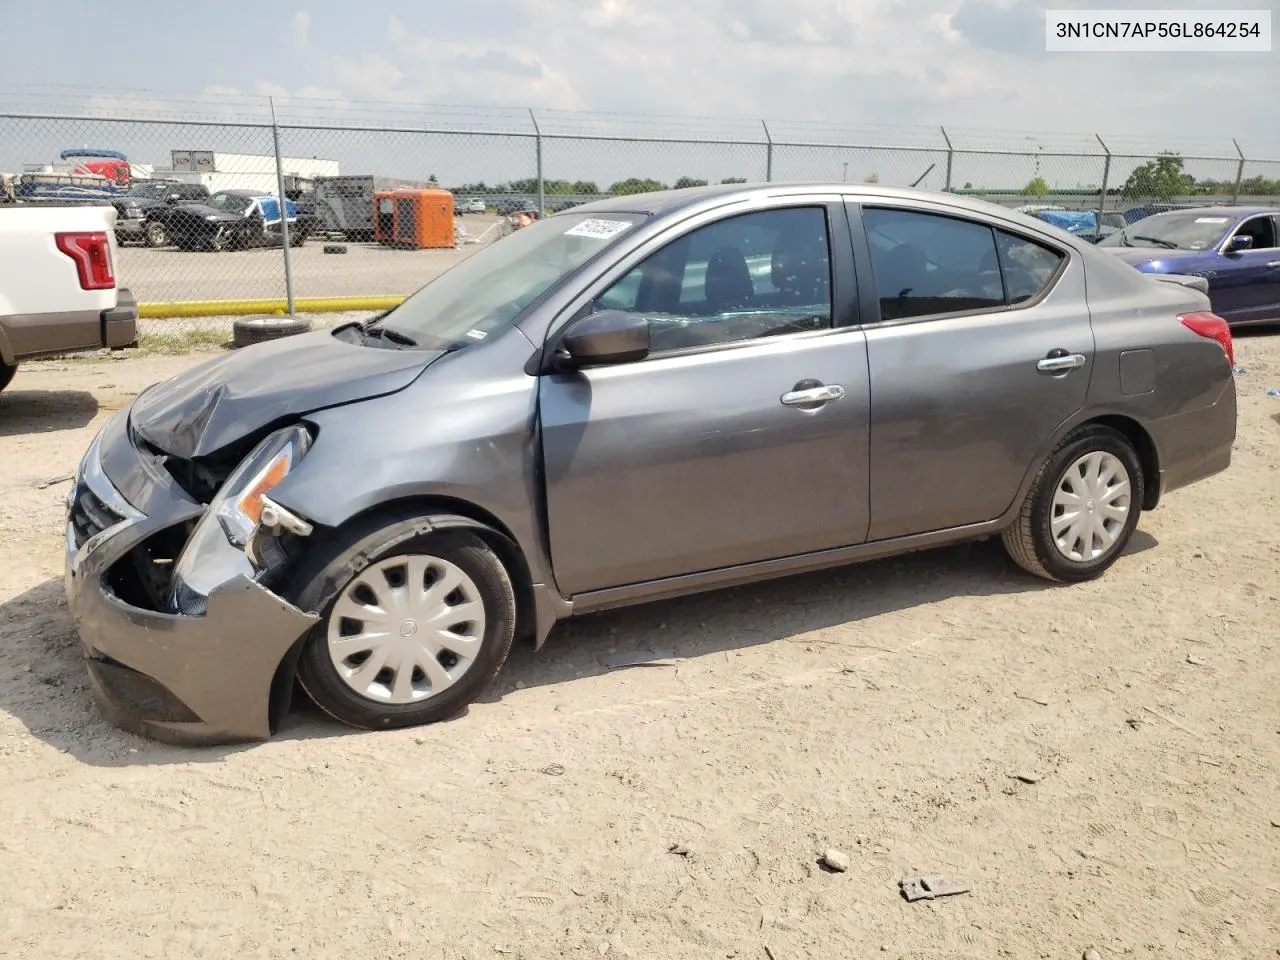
1241, 241
610, 336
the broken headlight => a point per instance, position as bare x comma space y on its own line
216, 551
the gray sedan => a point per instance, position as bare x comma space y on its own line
643, 397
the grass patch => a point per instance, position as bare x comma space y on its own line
179, 342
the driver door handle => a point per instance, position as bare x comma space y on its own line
1061, 362
823, 393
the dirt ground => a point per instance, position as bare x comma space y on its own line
885, 710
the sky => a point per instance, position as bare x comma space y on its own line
893, 69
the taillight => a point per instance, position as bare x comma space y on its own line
1214, 327
92, 254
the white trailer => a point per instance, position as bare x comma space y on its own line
245, 171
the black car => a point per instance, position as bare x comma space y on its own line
135, 209
234, 220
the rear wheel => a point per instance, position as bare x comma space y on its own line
7, 370
1082, 508
415, 624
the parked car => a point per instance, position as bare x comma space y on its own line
609, 406
1237, 249
232, 220
58, 289
134, 220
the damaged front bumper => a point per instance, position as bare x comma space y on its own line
182, 679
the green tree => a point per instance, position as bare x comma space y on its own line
1036, 187
1160, 178
688, 182
636, 185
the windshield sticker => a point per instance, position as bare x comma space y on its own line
1211, 219
598, 229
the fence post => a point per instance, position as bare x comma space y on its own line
768, 155
284, 209
537, 139
1106, 176
1235, 191
950, 155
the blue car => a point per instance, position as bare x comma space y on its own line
1236, 249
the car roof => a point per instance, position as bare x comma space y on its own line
666, 202
1218, 210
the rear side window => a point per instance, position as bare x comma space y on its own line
1027, 266
927, 264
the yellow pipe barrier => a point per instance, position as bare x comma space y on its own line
276, 305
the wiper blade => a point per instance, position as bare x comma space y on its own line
389, 336
1158, 241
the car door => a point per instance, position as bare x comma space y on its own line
979, 345
1246, 284
706, 454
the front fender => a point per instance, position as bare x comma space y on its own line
465, 432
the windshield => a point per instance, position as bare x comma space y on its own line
231, 202
1171, 231
152, 191
484, 293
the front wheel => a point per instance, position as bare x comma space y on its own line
415, 623
1082, 508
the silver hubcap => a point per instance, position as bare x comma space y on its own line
406, 629
1091, 507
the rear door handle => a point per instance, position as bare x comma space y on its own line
819, 394
1061, 362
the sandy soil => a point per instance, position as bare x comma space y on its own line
884, 710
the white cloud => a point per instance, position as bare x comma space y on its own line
964, 63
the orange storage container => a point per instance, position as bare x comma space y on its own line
414, 219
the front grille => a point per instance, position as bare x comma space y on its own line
89, 516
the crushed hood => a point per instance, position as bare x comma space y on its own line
228, 398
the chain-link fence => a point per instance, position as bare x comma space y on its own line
196, 185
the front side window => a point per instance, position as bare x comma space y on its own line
1261, 230
754, 275
926, 264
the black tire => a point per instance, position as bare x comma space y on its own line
250, 330
155, 235
1029, 539
7, 370
333, 566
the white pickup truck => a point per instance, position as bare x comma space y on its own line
58, 291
